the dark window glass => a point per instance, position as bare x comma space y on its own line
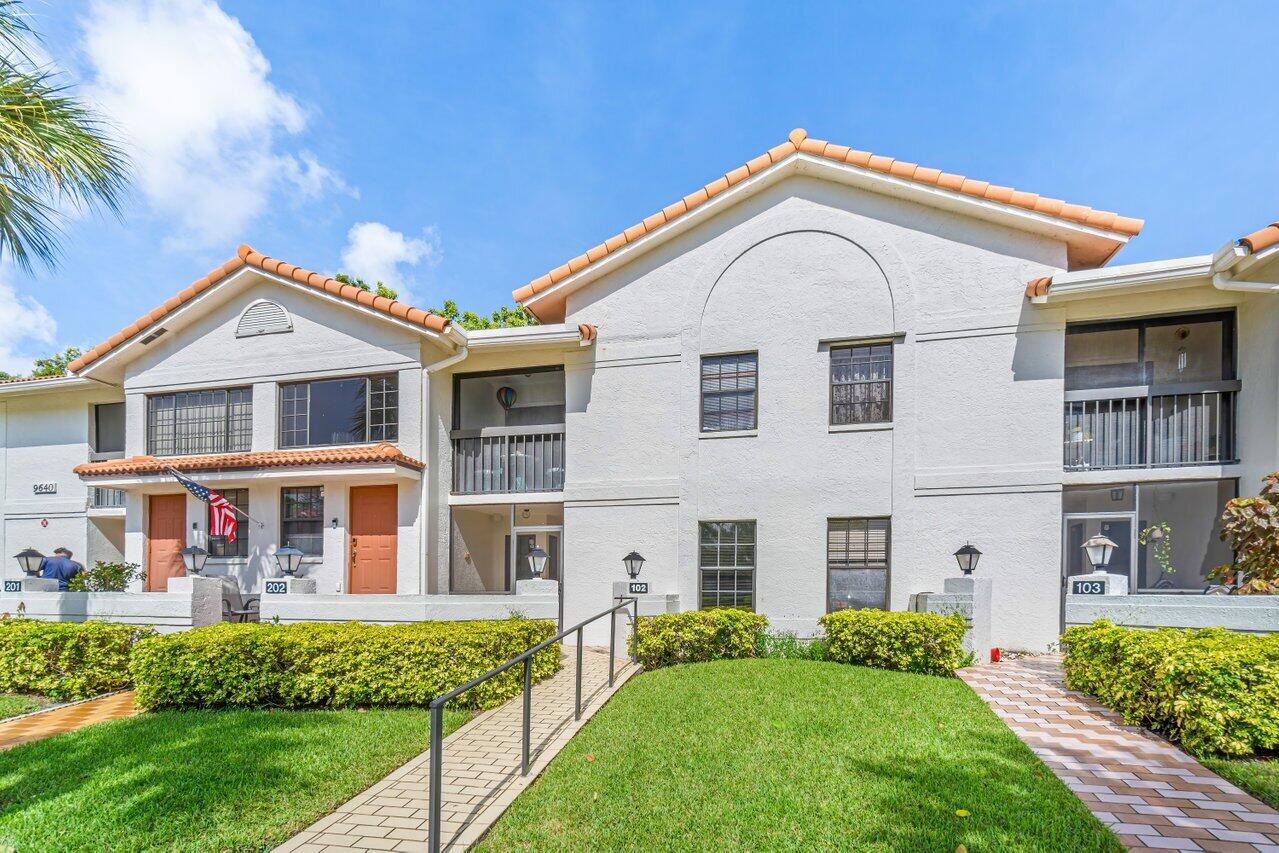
339, 411
857, 563
302, 518
861, 384
729, 387
195, 422
218, 546
726, 559
108, 428
1155, 351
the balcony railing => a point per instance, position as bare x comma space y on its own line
1147, 427
101, 498
508, 459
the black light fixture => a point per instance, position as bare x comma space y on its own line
1099, 550
633, 562
967, 557
194, 557
289, 559
29, 559
537, 561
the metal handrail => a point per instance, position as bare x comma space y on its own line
438, 703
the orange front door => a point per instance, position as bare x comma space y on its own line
166, 537
372, 534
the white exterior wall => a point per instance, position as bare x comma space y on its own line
973, 452
42, 437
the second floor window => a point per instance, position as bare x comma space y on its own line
218, 545
196, 422
729, 393
339, 411
861, 384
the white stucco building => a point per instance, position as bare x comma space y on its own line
800, 387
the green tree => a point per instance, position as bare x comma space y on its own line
504, 317
54, 151
56, 364
355, 281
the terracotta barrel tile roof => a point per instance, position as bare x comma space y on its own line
587, 331
1263, 238
247, 256
1038, 286
799, 141
362, 455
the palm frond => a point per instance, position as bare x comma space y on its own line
53, 151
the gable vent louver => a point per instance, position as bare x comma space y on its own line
263, 318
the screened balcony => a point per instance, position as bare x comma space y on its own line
1150, 393
508, 433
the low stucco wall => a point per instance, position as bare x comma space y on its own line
191, 603
1252, 613
392, 609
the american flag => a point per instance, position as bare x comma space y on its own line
222, 520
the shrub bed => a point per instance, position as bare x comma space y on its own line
315, 664
696, 636
1212, 690
66, 660
926, 643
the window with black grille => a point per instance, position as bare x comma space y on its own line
857, 563
729, 393
726, 561
339, 411
218, 545
197, 422
861, 384
302, 518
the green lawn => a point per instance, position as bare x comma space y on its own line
787, 754
1259, 777
11, 705
199, 780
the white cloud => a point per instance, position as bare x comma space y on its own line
27, 329
375, 252
190, 92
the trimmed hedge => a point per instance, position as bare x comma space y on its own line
1212, 690
926, 643
66, 660
696, 636
316, 664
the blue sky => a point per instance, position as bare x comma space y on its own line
460, 150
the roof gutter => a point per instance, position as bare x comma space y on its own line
1235, 257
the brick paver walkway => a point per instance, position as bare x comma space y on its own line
56, 721
481, 770
1149, 792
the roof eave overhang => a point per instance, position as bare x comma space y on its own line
55, 385
295, 472
450, 338
1134, 278
1098, 244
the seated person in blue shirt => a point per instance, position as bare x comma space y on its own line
61, 567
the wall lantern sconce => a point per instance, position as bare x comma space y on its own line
537, 561
967, 557
334, 523
633, 562
30, 559
289, 559
1099, 550
194, 557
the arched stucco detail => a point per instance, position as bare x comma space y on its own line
820, 284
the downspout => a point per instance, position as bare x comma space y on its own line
458, 355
